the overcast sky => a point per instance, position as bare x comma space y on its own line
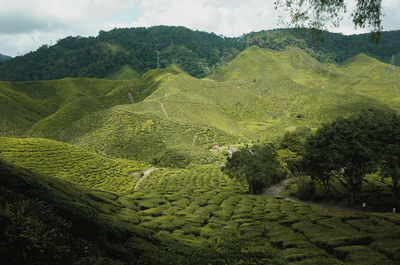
25, 25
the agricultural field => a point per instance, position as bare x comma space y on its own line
69, 163
194, 205
146, 152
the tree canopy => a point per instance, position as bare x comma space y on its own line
321, 13
258, 165
349, 148
197, 53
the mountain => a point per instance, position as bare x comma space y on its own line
127, 169
175, 119
138, 50
4, 57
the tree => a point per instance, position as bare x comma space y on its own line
291, 151
390, 163
346, 149
320, 13
258, 166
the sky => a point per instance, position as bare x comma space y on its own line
25, 25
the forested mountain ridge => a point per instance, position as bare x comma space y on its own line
4, 57
197, 53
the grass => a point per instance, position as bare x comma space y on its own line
125, 73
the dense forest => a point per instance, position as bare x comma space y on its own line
197, 53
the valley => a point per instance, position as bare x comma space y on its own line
129, 165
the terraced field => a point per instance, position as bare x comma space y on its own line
72, 164
195, 206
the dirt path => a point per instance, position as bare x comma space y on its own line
197, 134
276, 189
145, 175
164, 111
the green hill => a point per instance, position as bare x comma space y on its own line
263, 92
53, 105
125, 73
76, 190
121, 53
25, 103
72, 164
176, 118
123, 92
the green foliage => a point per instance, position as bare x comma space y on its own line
258, 166
46, 222
291, 149
390, 164
319, 14
346, 149
119, 53
104, 55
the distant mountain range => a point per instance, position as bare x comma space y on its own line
4, 57
197, 53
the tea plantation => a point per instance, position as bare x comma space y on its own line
195, 206
130, 167
70, 163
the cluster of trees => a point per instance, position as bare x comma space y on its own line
349, 148
344, 150
330, 47
194, 51
197, 53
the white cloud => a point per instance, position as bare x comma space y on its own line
230, 18
25, 25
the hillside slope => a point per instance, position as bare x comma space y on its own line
258, 96
25, 103
263, 92
4, 57
71, 164
46, 220
175, 118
